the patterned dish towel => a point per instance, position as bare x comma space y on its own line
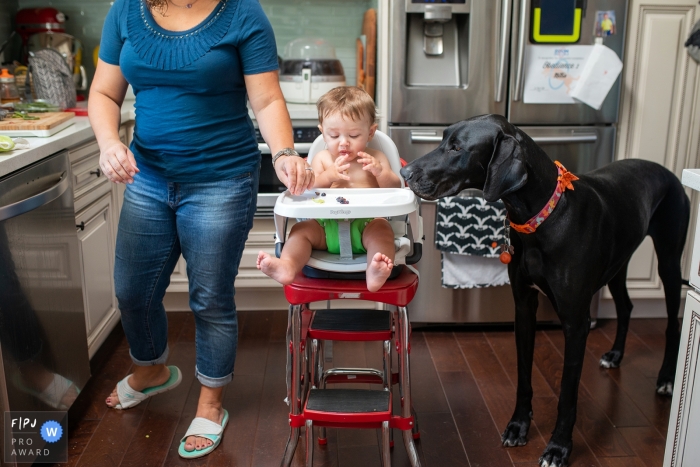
469, 232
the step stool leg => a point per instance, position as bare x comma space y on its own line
387, 365
309, 443
322, 439
314, 363
405, 383
290, 448
294, 364
415, 431
386, 450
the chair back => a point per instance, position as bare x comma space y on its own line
380, 142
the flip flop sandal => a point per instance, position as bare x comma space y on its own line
129, 397
203, 428
54, 392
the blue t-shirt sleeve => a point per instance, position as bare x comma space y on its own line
112, 41
257, 46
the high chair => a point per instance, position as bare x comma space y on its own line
341, 276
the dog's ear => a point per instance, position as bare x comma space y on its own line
506, 171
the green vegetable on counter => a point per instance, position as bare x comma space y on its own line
23, 116
6, 143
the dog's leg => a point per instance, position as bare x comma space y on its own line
525, 297
576, 320
667, 228
670, 274
623, 307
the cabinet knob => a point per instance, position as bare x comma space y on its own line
80, 226
97, 172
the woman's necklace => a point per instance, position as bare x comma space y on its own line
188, 5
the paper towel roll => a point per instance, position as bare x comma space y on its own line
599, 74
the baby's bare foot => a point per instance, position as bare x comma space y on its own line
275, 268
378, 271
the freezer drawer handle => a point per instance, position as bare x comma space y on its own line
36, 201
580, 138
425, 137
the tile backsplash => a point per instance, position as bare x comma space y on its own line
337, 21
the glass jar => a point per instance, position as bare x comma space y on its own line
8, 88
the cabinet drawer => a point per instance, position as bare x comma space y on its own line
695, 262
85, 167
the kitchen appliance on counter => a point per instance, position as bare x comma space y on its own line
309, 69
68, 46
42, 28
42, 319
456, 59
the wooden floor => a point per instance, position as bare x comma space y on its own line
463, 387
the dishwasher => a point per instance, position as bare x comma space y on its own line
43, 341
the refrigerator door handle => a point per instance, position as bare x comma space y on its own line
569, 139
522, 40
503, 52
423, 136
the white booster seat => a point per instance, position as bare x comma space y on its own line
399, 205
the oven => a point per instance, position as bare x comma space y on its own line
270, 186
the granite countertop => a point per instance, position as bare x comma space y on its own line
40, 148
691, 178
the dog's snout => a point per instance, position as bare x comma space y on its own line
407, 173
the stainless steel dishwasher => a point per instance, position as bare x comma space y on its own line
43, 341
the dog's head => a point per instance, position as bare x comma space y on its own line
482, 152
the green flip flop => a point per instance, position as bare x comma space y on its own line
203, 428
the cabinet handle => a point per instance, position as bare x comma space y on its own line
97, 172
80, 226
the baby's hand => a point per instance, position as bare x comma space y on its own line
340, 168
370, 163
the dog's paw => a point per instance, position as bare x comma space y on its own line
611, 359
664, 388
555, 455
515, 433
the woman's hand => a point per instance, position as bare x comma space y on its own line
369, 163
117, 163
295, 173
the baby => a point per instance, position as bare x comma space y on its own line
347, 120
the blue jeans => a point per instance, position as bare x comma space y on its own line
208, 222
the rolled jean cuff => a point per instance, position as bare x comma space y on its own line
158, 361
213, 382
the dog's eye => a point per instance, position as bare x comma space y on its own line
456, 149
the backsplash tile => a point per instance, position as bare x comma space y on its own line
337, 21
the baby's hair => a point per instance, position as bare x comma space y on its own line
350, 101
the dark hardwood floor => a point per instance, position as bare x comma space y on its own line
463, 386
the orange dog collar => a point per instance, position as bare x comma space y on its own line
563, 183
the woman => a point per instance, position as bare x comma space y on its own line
191, 175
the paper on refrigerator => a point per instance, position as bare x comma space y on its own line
598, 76
553, 72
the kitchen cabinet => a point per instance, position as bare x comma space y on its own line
96, 216
684, 420
660, 112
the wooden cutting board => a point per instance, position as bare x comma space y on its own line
49, 123
369, 29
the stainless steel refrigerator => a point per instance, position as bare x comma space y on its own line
454, 59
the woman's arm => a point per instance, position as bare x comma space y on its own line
270, 111
106, 96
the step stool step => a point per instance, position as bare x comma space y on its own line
350, 324
349, 401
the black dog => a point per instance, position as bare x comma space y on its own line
584, 244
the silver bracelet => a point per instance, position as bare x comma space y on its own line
284, 152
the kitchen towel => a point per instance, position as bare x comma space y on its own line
469, 232
598, 76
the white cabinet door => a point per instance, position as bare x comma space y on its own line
659, 108
682, 447
96, 239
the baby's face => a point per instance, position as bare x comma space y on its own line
345, 137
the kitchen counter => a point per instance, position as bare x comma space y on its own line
81, 131
43, 147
